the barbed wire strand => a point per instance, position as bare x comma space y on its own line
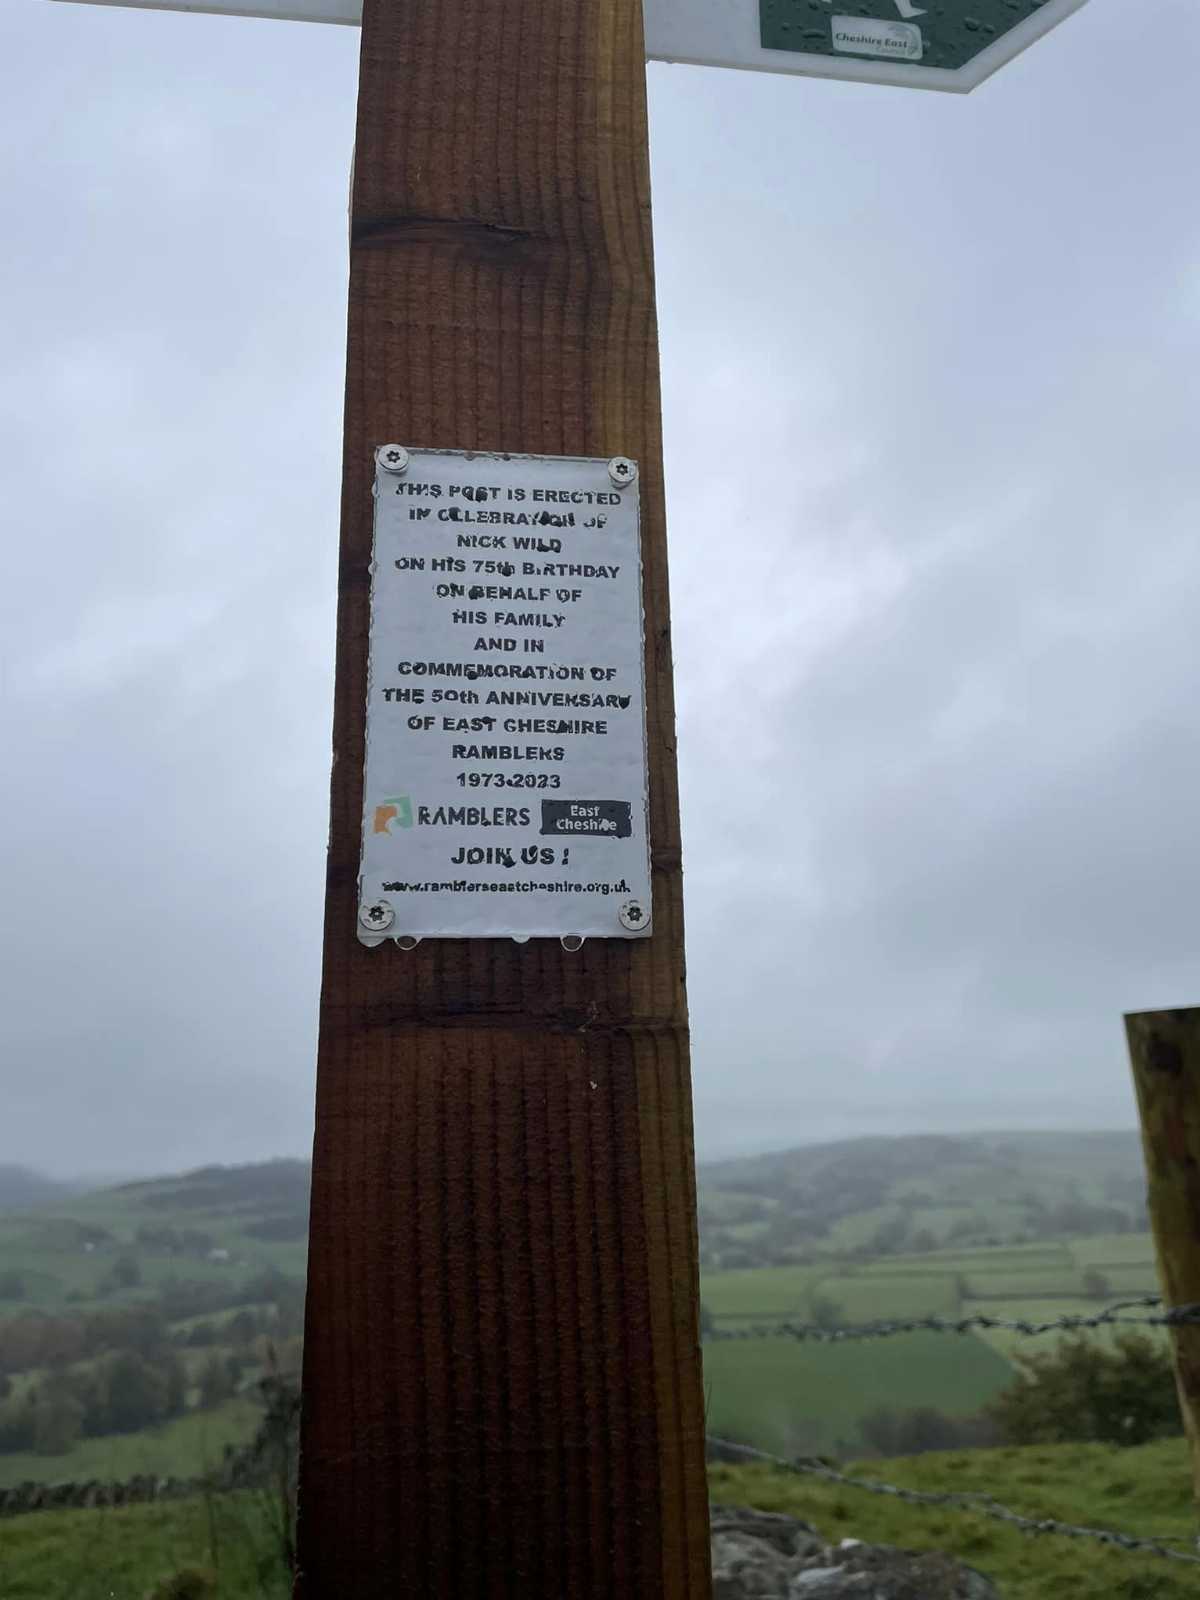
1114, 1316
982, 1504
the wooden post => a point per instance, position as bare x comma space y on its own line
1164, 1049
502, 1390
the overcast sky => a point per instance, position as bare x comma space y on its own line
931, 404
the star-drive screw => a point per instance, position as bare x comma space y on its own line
622, 471
392, 458
376, 917
632, 916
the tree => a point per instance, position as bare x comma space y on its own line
134, 1393
216, 1382
1088, 1391
57, 1422
126, 1273
176, 1378
826, 1312
1096, 1286
241, 1327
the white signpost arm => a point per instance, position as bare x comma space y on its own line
729, 33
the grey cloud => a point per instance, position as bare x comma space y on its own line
930, 398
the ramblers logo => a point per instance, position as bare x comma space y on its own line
397, 810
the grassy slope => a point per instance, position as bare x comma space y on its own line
96, 1555
1144, 1491
120, 1555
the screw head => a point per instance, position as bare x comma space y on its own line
392, 458
377, 917
622, 471
634, 916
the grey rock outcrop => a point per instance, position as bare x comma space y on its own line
758, 1555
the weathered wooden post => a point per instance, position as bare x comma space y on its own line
1164, 1050
502, 1388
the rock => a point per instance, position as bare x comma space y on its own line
758, 1555
787, 1535
833, 1582
747, 1569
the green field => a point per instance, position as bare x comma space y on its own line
183, 1448
804, 1399
811, 1397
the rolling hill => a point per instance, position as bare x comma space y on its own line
877, 1197
1024, 1224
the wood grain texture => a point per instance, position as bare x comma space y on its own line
1164, 1051
502, 1392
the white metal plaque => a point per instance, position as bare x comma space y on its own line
505, 782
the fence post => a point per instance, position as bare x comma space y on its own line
1164, 1051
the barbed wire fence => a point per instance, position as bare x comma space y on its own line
1114, 1316
1139, 1312
982, 1504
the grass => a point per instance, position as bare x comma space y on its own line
984, 1259
122, 1554
867, 1299
804, 1398
119, 1555
182, 1448
1112, 1249
1144, 1491
758, 1291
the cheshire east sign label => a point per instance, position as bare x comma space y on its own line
942, 44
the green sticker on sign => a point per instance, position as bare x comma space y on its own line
945, 35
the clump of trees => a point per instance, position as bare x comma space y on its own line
1086, 1390
121, 1393
67, 1375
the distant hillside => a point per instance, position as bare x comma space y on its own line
880, 1196
266, 1194
21, 1188
217, 1225
854, 1200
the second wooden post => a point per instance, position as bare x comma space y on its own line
1164, 1050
